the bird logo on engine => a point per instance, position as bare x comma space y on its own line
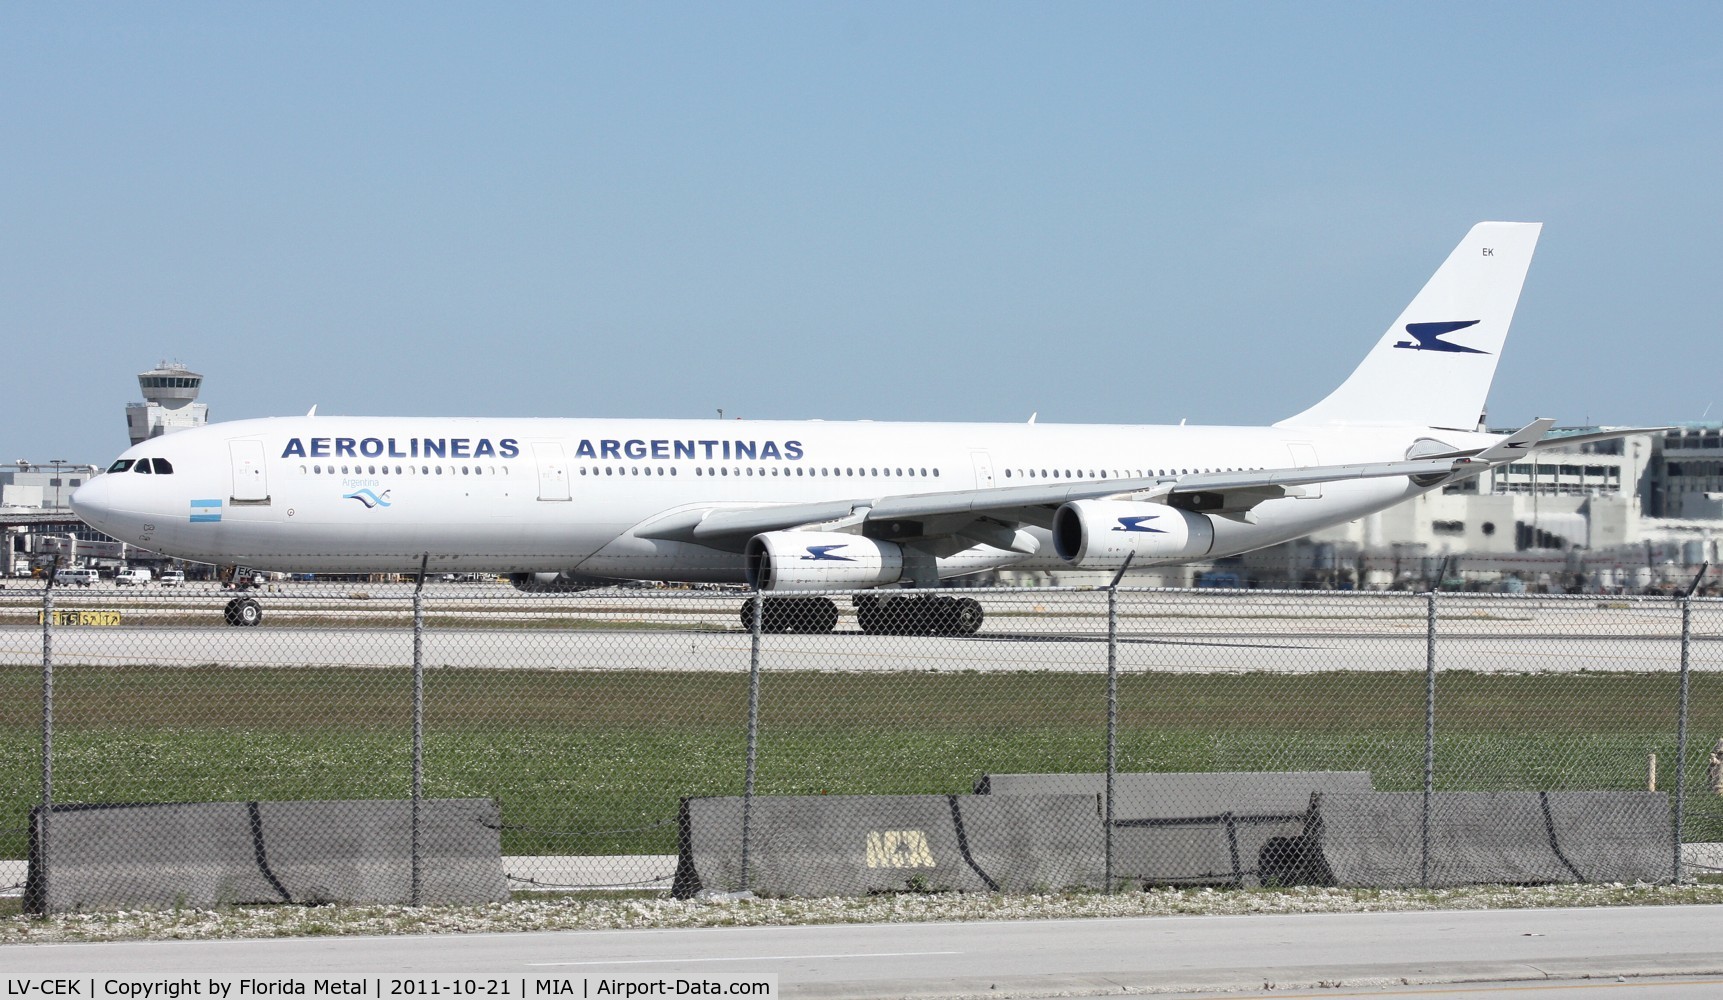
824, 552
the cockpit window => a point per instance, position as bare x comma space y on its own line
121, 465
143, 466
162, 466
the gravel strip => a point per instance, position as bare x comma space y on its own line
573, 913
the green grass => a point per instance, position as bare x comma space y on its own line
594, 762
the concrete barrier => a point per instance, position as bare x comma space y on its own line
206, 854
851, 845
1199, 828
1377, 840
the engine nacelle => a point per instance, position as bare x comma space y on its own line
1099, 534
555, 583
821, 560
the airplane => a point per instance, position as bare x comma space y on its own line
794, 508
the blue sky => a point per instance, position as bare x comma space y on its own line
1102, 212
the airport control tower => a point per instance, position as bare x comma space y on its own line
170, 394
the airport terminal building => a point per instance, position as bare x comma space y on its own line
1631, 514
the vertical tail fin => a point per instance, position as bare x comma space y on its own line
1434, 365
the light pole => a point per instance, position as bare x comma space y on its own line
57, 463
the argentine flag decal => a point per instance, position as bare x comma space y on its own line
204, 511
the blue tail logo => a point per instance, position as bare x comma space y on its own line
824, 552
1428, 337
1136, 524
371, 500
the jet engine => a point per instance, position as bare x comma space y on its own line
1099, 534
821, 560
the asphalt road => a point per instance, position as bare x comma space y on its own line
1035, 957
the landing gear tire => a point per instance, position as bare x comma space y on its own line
919, 615
811, 615
244, 611
969, 616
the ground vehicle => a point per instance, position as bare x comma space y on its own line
173, 578
81, 576
132, 576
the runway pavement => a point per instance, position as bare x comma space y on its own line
1004, 645
1026, 630
492, 626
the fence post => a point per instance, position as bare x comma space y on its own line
418, 720
1681, 726
1112, 713
1429, 732
759, 602
47, 812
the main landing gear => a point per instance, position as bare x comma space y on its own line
792, 614
877, 615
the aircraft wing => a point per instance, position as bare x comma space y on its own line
1564, 440
929, 514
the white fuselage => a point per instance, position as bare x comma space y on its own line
378, 494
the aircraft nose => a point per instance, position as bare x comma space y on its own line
93, 501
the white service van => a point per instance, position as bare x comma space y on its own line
173, 578
76, 575
132, 576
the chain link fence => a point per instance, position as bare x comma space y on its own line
610, 740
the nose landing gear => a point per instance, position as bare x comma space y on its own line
244, 611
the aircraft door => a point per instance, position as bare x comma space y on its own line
250, 478
1303, 457
552, 470
983, 469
